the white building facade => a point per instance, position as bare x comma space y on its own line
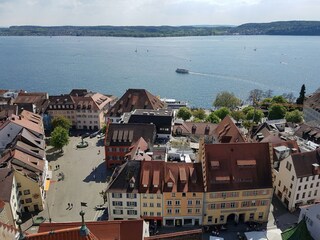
123, 206
311, 214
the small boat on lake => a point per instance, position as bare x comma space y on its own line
181, 70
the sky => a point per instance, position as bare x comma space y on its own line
154, 12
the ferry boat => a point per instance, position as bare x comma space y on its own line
181, 70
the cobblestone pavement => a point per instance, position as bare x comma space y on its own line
84, 174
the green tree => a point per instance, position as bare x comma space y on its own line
59, 138
238, 115
279, 99
265, 103
255, 115
277, 111
104, 128
294, 116
184, 113
197, 120
226, 99
245, 110
199, 113
302, 94
61, 121
213, 118
222, 112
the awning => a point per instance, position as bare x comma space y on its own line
47, 185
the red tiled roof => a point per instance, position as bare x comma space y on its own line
137, 150
228, 132
241, 166
187, 177
135, 99
25, 158
93, 101
104, 230
61, 234
200, 129
151, 176
303, 162
29, 120
128, 134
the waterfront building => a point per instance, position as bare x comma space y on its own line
133, 99
161, 118
237, 182
84, 109
36, 102
62, 105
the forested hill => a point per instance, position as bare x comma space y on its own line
274, 28
114, 31
279, 28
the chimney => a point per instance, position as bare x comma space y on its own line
315, 169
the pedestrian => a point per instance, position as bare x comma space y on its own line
71, 205
68, 205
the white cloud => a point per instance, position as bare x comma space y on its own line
153, 12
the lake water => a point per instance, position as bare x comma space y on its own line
112, 65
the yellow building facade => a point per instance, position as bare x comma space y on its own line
151, 206
182, 208
237, 206
29, 194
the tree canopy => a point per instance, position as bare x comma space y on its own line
238, 115
61, 121
184, 113
294, 116
255, 115
59, 137
199, 113
279, 99
213, 118
277, 111
226, 99
222, 112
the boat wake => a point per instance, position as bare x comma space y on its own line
215, 75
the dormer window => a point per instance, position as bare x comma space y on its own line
170, 184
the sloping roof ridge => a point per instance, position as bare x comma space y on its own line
150, 97
123, 166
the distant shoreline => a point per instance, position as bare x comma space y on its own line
286, 28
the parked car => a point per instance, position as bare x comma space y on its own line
92, 135
85, 135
